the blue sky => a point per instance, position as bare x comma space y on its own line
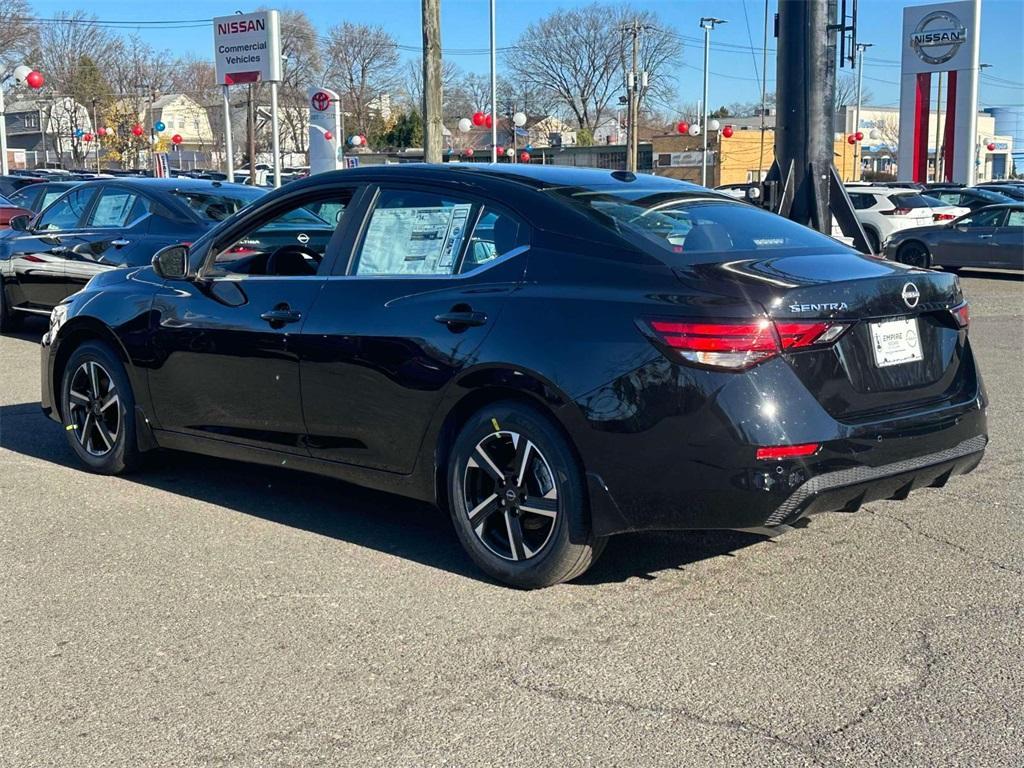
735, 72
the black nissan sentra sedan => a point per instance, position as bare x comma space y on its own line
554, 355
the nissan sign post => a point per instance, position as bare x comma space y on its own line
247, 49
940, 38
325, 136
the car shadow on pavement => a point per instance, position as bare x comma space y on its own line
990, 274
401, 527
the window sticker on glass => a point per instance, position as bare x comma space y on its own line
413, 241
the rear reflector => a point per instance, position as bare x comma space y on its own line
787, 451
962, 314
740, 344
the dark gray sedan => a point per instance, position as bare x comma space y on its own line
991, 237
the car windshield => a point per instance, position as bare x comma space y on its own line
691, 224
217, 205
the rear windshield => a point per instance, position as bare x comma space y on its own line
217, 205
993, 197
696, 223
909, 200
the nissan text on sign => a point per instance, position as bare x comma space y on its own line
247, 47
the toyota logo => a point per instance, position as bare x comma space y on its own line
320, 101
938, 37
911, 295
304, 238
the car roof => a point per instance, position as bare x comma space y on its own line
881, 190
168, 184
536, 176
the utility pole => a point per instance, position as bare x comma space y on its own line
433, 127
250, 125
707, 23
95, 134
494, 85
764, 94
632, 97
857, 151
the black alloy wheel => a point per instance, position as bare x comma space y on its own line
98, 410
914, 254
517, 499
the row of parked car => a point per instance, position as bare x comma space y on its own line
945, 225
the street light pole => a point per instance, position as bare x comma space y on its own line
857, 151
707, 23
494, 87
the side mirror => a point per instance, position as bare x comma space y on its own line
171, 262
20, 222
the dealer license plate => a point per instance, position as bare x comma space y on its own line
896, 342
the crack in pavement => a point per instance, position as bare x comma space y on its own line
946, 542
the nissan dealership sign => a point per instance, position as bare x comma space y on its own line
247, 47
937, 38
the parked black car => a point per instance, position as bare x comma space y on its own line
1013, 191
968, 197
555, 355
36, 197
101, 225
11, 184
990, 237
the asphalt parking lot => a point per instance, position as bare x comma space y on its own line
209, 613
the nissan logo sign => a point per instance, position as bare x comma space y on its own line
938, 37
304, 238
911, 295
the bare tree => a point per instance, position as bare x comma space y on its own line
17, 33
579, 57
412, 86
363, 62
846, 92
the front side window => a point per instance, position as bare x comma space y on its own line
290, 243
414, 233
992, 218
690, 224
68, 211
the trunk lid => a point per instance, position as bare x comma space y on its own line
861, 292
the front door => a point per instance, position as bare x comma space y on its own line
225, 362
1009, 241
38, 257
969, 242
426, 283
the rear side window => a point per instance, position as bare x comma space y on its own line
862, 202
68, 211
496, 233
1016, 219
116, 208
693, 224
412, 232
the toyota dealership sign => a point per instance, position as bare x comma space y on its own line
247, 47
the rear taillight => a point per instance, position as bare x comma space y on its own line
943, 217
962, 314
739, 344
897, 212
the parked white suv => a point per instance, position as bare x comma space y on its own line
883, 211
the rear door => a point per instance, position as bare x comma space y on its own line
429, 274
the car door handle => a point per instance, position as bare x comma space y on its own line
984, 237
461, 318
281, 316
120, 242
59, 249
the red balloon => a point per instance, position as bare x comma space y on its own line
34, 80
87, 137
328, 135
524, 157
478, 118
468, 152
499, 150
176, 139
489, 121
990, 147
101, 131
859, 135
851, 139
136, 130
727, 131
683, 127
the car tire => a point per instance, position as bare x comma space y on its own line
873, 241
517, 498
914, 254
99, 410
9, 319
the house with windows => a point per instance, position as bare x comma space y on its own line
44, 129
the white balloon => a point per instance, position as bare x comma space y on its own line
354, 141
714, 125
875, 134
465, 124
695, 130
519, 119
21, 72
509, 152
